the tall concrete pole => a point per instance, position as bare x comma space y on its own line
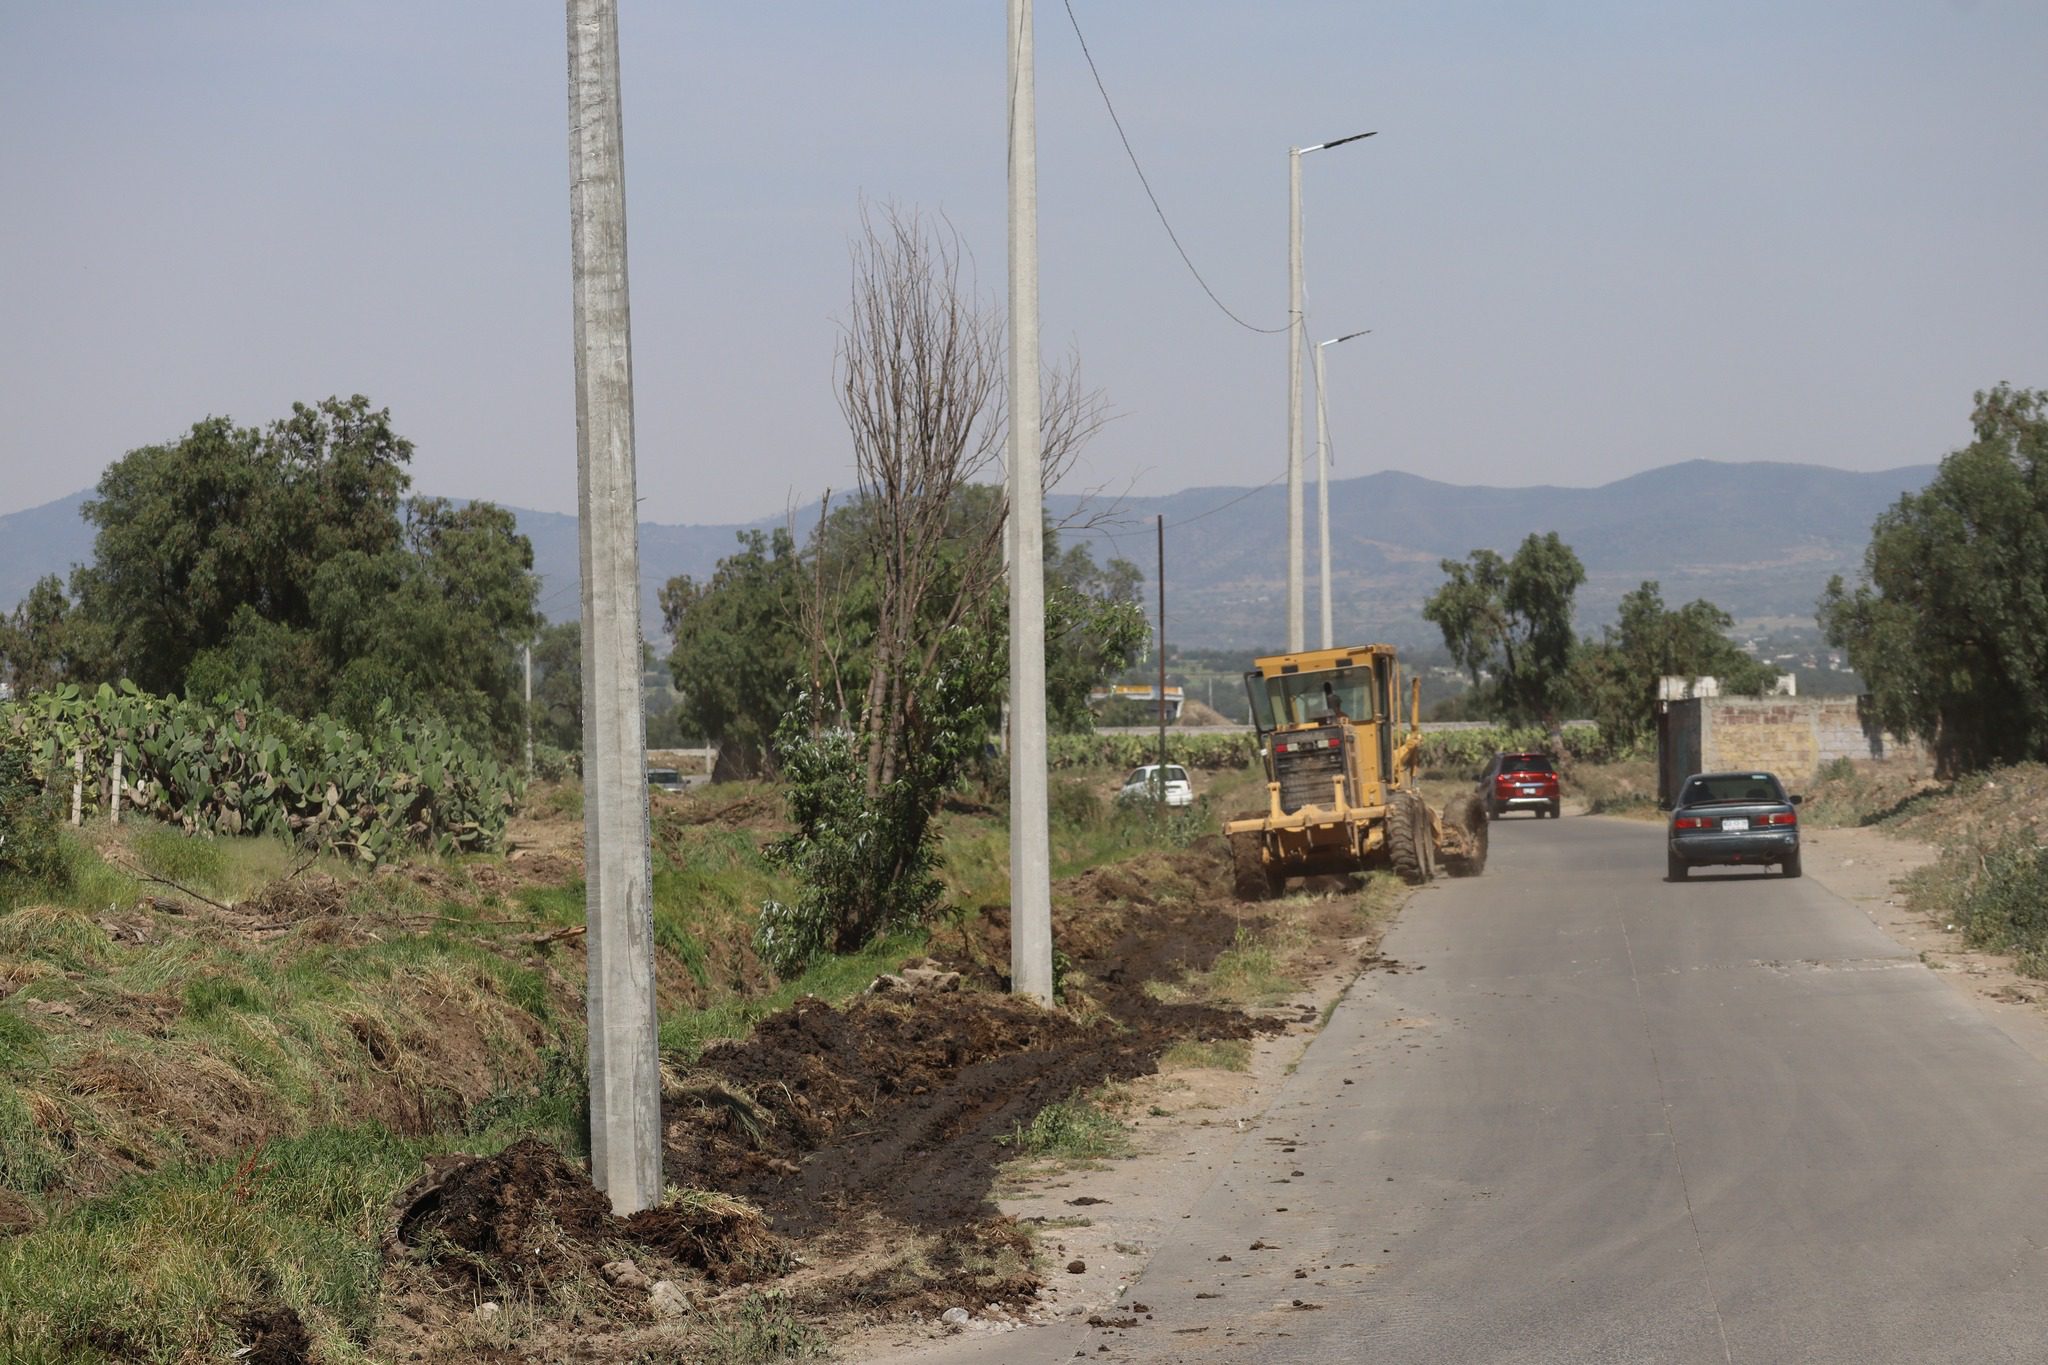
1323, 497
1294, 343
625, 1078
1323, 480
526, 654
1030, 839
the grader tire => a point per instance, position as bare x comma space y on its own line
1468, 815
1250, 881
1408, 840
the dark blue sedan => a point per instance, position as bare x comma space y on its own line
1733, 818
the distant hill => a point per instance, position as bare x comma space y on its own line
1758, 539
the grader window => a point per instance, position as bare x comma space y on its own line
1303, 698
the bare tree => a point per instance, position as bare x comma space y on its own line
921, 369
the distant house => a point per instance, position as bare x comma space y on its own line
1143, 693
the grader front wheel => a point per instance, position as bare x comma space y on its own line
1252, 879
1467, 816
1411, 847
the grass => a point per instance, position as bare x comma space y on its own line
141, 1050
686, 1032
160, 1267
1074, 1129
1250, 972
766, 1327
1088, 830
1222, 1054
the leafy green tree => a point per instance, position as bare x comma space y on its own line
1950, 626
1094, 630
228, 517
41, 643
558, 687
1512, 619
1614, 681
738, 657
286, 563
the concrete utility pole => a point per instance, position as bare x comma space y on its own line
1162, 655
1030, 839
625, 1079
526, 653
1323, 482
1295, 341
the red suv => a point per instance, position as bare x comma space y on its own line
1520, 782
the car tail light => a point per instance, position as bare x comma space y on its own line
1690, 822
1783, 817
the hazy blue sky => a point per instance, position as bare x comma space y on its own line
1591, 237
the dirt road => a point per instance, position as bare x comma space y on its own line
1620, 1120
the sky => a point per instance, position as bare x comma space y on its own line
1590, 238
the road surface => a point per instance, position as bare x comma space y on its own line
1607, 1118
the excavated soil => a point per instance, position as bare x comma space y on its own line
528, 1220
896, 1109
901, 1109
273, 1335
1155, 918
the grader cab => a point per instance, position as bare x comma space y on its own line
1341, 791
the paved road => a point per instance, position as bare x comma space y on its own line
1605, 1118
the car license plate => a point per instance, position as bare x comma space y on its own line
1735, 824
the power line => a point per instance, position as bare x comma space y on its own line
1170, 233
1189, 521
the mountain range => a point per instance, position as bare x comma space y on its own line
1760, 540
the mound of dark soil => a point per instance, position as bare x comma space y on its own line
528, 1218
272, 1334
727, 1240
524, 1217
895, 1108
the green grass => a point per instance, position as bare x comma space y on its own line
1222, 1054
1073, 1129
1087, 831
686, 1032
1249, 972
160, 1267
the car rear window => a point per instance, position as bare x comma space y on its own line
1176, 774
1527, 763
1726, 787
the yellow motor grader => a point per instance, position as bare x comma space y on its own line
1341, 791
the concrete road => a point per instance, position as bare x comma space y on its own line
1607, 1118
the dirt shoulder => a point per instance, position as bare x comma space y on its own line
1864, 866
1095, 1224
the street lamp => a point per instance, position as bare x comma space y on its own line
1323, 479
1294, 344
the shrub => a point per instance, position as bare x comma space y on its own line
2004, 907
30, 855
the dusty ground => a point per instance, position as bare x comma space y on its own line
1864, 865
1096, 1223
